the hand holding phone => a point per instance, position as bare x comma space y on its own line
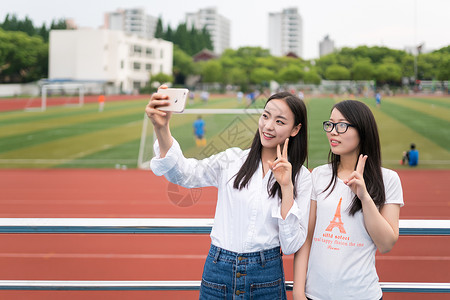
177, 99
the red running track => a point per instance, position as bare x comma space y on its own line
139, 194
35, 102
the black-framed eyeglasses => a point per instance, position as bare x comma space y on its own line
341, 127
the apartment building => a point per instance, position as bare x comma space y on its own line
286, 32
120, 60
217, 25
326, 46
133, 21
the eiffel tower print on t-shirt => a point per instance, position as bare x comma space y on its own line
337, 222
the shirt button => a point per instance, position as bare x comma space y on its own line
239, 292
240, 258
238, 275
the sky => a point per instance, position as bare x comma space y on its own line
350, 23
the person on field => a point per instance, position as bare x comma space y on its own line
263, 198
411, 156
101, 103
355, 207
199, 132
378, 99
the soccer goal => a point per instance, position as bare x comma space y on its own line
59, 95
224, 128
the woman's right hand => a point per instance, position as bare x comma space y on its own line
158, 117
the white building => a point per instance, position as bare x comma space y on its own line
134, 21
218, 27
326, 46
286, 32
122, 61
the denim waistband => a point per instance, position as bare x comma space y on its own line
259, 257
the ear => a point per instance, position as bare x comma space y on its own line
296, 129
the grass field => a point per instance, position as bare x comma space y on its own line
64, 137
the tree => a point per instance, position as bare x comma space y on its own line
337, 72
290, 74
261, 76
159, 31
22, 58
237, 76
183, 65
191, 41
312, 77
407, 66
388, 73
363, 70
443, 72
211, 71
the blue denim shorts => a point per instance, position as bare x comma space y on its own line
231, 275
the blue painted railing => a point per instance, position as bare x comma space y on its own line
172, 226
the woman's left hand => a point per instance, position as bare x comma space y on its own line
356, 180
281, 167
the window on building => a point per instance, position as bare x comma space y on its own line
160, 68
148, 67
137, 49
149, 52
122, 64
162, 53
136, 85
136, 66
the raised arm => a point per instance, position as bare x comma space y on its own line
382, 226
160, 120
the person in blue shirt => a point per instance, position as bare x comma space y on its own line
412, 156
199, 132
378, 99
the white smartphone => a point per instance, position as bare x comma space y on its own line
177, 99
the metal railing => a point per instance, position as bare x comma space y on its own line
175, 226
167, 225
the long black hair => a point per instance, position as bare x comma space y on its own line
297, 148
359, 115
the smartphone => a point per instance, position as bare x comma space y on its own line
177, 99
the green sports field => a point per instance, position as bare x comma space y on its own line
67, 137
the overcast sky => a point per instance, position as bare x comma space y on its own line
391, 23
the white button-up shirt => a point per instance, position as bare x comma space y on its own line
246, 220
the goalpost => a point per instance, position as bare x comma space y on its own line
66, 92
234, 128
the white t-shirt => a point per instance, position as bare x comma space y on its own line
342, 258
246, 220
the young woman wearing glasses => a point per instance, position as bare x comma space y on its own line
354, 211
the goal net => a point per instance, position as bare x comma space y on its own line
58, 95
224, 128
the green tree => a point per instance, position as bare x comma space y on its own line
312, 77
337, 72
407, 66
363, 70
183, 65
261, 76
211, 71
443, 72
22, 58
388, 73
290, 74
159, 31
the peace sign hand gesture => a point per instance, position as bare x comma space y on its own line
281, 167
356, 180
